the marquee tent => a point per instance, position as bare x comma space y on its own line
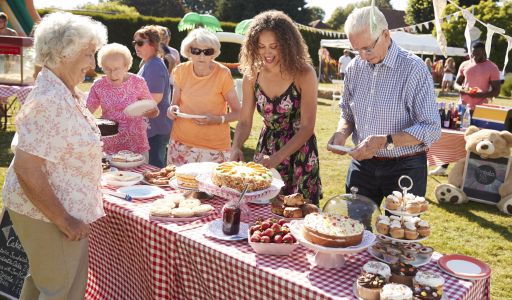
423, 44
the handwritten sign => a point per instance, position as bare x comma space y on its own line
13, 260
483, 177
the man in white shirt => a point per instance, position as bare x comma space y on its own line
343, 63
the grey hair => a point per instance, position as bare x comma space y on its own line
359, 21
200, 38
115, 49
62, 35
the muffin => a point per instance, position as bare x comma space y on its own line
425, 253
392, 202
413, 207
410, 231
393, 291
396, 231
292, 212
369, 286
383, 226
423, 228
403, 273
423, 204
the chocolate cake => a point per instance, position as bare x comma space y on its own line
107, 127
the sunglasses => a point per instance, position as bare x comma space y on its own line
206, 52
139, 43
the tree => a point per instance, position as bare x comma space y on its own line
200, 6
419, 11
340, 14
157, 8
114, 7
238, 10
316, 13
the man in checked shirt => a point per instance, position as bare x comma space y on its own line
388, 107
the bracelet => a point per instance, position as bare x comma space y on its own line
222, 119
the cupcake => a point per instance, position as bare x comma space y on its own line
378, 250
397, 194
410, 231
410, 250
423, 204
369, 286
393, 291
430, 279
383, 225
413, 207
391, 256
425, 253
402, 273
423, 228
376, 267
426, 293
392, 202
396, 231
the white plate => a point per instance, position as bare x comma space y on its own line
214, 229
417, 263
176, 219
109, 178
173, 182
465, 267
141, 191
339, 148
140, 107
403, 213
404, 240
188, 116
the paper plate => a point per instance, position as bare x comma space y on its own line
142, 191
187, 116
138, 108
465, 267
114, 178
214, 229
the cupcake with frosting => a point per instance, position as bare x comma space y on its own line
430, 279
393, 291
376, 267
395, 230
410, 231
423, 228
425, 252
392, 202
369, 286
383, 225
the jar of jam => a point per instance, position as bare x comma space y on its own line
231, 218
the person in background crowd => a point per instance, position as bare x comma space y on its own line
171, 56
480, 74
428, 62
449, 75
4, 30
343, 62
202, 87
281, 83
437, 70
389, 108
113, 93
52, 188
147, 46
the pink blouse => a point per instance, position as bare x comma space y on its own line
113, 100
56, 127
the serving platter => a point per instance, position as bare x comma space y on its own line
464, 267
404, 240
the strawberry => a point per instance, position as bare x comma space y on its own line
282, 222
265, 225
255, 238
285, 229
288, 239
258, 232
268, 232
278, 239
254, 228
265, 239
276, 227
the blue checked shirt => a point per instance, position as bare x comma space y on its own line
394, 96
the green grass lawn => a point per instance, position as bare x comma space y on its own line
473, 229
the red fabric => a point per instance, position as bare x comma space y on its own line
449, 148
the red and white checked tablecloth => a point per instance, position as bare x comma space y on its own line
132, 257
449, 148
20, 92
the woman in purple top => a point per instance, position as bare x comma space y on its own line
147, 46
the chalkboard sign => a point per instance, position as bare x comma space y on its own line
483, 177
13, 260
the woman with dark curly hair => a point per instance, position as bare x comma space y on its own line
281, 83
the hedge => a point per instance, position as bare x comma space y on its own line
122, 27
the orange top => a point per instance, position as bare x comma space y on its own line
201, 96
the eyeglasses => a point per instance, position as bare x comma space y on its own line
139, 43
367, 50
206, 52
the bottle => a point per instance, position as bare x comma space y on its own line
231, 214
442, 113
466, 118
448, 118
455, 117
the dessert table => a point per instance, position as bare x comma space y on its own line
6, 92
133, 257
449, 148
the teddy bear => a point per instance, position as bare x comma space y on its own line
487, 143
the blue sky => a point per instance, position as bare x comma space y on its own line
327, 5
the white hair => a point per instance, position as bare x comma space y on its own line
359, 21
115, 49
62, 35
200, 38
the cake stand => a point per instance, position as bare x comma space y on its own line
330, 257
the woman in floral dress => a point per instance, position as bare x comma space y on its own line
280, 83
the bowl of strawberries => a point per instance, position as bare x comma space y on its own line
272, 237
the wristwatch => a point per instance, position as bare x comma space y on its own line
389, 143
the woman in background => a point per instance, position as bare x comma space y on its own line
203, 87
449, 75
147, 46
113, 93
280, 82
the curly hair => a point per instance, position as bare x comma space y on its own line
294, 55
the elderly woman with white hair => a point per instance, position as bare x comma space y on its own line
51, 189
113, 93
205, 88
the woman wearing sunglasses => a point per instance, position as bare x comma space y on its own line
280, 82
146, 42
203, 91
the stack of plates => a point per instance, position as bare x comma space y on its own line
464, 267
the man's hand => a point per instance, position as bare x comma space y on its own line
369, 147
336, 139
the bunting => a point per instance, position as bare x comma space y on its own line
509, 39
470, 23
491, 29
439, 6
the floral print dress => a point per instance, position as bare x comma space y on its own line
281, 116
